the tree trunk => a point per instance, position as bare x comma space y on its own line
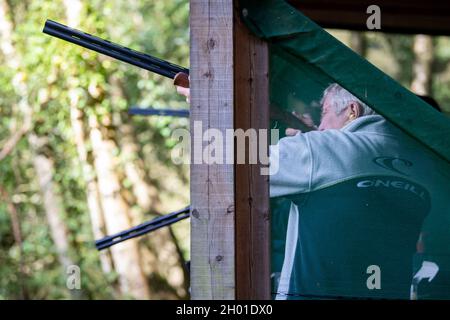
125, 255
145, 194
77, 118
162, 246
93, 196
422, 69
358, 43
53, 203
17, 233
43, 164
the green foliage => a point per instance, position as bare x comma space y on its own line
441, 81
50, 67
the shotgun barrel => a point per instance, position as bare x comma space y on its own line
113, 50
143, 228
182, 113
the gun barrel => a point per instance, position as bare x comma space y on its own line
143, 228
113, 50
159, 112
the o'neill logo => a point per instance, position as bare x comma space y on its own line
390, 163
397, 183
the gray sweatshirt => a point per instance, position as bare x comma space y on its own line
359, 197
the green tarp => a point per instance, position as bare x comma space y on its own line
297, 36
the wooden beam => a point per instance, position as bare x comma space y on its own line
212, 186
251, 105
397, 16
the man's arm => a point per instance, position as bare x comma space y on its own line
181, 82
292, 157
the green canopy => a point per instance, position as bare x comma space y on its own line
296, 36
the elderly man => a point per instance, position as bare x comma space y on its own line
358, 195
358, 199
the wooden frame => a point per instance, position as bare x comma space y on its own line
212, 186
230, 254
251, 84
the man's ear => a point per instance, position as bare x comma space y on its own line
355, 110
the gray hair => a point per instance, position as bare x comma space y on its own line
341, 98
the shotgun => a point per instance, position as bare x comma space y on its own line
182, 113
177, 73
143, 228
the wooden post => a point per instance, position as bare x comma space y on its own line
212, 186
230, 203
251, 105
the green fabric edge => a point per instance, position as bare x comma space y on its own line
284, 26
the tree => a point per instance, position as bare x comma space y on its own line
66, 142
43, 163
422, 69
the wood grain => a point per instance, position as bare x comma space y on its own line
251, 84
212, 186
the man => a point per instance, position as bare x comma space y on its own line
359, 194
360, 190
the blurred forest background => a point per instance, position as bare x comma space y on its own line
74, 166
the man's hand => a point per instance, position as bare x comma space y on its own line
292, 132
306, 119
181, 82
184, 91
